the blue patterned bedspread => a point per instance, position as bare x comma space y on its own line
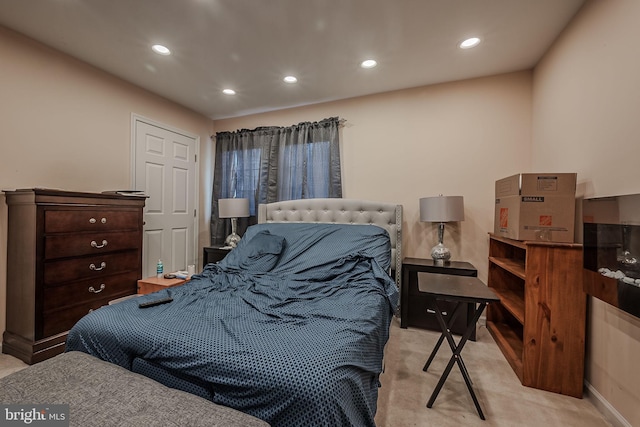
290, 327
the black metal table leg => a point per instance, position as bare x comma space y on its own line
456, 357
452, 319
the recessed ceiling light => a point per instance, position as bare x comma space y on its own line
229, 91
369, 63
290, 79
161, 50
469, 43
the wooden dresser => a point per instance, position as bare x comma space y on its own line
68, 253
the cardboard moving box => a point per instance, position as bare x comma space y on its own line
533, 206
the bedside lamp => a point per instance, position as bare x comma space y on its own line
441, 209
234, 209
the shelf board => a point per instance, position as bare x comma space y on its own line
513, 302
522, 244
510, 265
510, 242
510, 345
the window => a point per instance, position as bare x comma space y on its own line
271, 164
240, 172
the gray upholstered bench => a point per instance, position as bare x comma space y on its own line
103, 394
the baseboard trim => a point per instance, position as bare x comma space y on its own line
605, 408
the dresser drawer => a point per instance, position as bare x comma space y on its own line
61, 245
86, 291
90, 267
63, 320
71, 220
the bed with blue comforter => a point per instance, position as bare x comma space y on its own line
290, 327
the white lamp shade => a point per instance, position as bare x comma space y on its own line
233, 208
442, 209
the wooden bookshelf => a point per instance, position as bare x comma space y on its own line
539, 323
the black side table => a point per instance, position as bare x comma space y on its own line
414, 308
439, 288
213, 254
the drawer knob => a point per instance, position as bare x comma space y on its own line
93, 220
92, 289
103, 265
95, 244
103, 220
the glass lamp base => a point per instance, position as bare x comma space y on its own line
440, 254
232, 240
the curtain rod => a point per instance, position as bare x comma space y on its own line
341, 122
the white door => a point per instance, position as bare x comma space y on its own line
165, 165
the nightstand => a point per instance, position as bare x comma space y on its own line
153, 284
213, 254
413, 303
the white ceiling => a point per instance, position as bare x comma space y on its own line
250, 45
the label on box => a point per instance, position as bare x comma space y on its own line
537, 228
507, 186
545, 220
504, 217
536, 199
547, 183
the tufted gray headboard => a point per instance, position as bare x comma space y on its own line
342, 211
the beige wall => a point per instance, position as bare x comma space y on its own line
455, 139
585, 106
67, 125
64, 124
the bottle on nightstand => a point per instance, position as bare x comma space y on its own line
159, 269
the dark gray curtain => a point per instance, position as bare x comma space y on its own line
270, 164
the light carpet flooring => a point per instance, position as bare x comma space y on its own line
9, 365
406, 388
